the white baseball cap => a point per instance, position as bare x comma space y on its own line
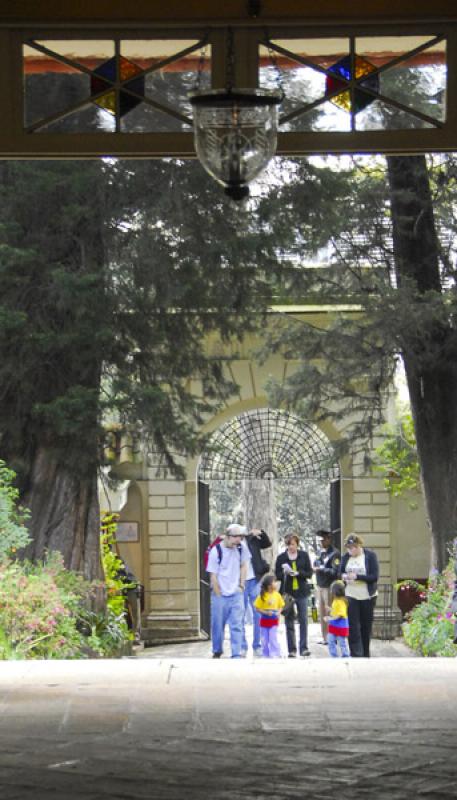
236, 530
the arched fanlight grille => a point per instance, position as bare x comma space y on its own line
266, 443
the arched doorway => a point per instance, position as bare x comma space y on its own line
263, 445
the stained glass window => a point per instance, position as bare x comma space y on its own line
358, 83
112, 85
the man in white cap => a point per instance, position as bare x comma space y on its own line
227, 565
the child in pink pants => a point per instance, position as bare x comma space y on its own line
269, 604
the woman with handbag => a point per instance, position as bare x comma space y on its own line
293, 568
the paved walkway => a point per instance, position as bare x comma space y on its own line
191, 729
389, 649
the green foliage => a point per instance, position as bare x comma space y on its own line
338, 219
106, 633
13, 533
398, 459
429, 629
113, 567
44, 614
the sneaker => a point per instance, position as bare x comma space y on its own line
305, 653
258, 651
244, 654
292, 655
322, 641
217, 655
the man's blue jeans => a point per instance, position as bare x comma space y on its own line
251, 592
227, 610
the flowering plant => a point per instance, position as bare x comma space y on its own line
45, 609
37, 618
429, 629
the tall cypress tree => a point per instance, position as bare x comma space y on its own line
112, 275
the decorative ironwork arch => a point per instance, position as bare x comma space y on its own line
265, 443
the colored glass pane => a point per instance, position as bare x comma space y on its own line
344, 69
107, 72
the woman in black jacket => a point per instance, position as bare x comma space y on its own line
293, 568
360, 572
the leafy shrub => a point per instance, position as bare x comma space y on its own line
45, 609
115, 571
429, 629
13, 534
38, 613
45, 614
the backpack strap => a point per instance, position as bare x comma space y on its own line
219, 551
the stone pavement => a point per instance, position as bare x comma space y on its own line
379, 649
167, 727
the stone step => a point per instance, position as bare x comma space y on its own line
169, 628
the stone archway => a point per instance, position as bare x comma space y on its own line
256, 452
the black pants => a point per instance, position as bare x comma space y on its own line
360, 613
302, 610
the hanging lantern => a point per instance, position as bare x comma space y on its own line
235, 134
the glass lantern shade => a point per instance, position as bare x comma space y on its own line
235, 134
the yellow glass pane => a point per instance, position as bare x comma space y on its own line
107, 102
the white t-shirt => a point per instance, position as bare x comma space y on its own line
228, 570
358, 590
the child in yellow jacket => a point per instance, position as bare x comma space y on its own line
269, 604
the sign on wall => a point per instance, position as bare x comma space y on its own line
128, 532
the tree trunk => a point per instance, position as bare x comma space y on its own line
65, 514
259, 506
431, 366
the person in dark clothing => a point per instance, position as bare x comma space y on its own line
256, 541
132, 592
326, 568
292, 569
360, 571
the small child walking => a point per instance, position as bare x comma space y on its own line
338, 623
269, 604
